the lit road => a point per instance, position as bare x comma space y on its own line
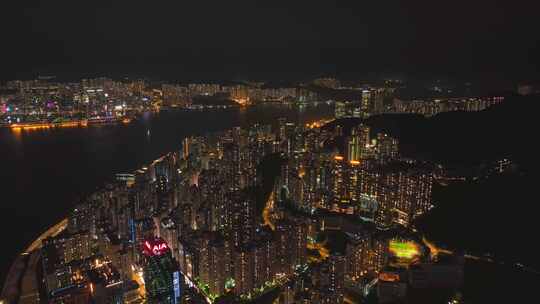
137, 278
436, 251
267, 219
267, 212
11, 288
51, 232
323, 251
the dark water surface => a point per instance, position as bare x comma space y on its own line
44, 172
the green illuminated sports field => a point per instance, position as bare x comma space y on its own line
404, 250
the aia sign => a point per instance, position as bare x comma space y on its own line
155, 247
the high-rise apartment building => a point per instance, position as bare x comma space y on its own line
159, 269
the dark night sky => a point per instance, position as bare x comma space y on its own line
270, 39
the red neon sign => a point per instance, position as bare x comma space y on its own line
155, 247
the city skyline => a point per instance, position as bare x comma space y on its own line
208, 223
197, 201
46, 102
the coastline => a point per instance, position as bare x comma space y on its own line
11, 290
52, 231
19, 266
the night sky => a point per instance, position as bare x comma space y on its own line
270, 39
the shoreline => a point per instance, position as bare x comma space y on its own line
12, 285
18, 268
52, 231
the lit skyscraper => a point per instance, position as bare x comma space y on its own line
159, 268
357, 146
366, 103
340, 110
